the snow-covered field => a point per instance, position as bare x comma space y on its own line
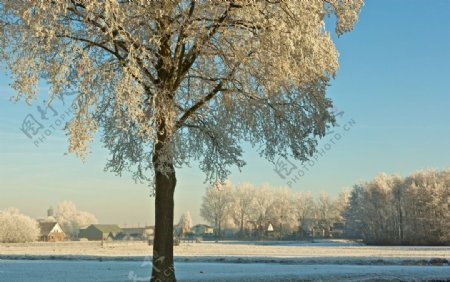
120, 271
224, 261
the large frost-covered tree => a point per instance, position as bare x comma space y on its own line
260, 214
166, 82
216, 204
304, 206
71, 219
16, 227
184, 224
282, 211
242, 205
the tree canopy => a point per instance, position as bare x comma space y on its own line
209, 74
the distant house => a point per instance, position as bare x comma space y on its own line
136, 233
311, 227
338, 230
306, 227
202, 229
98, 232
176, 230
51, 232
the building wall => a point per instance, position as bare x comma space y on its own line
91, 233
56, 237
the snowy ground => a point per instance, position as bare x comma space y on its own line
224, 261
115, 271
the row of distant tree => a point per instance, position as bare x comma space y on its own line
395, 210
386, 210
250, 210
16, 227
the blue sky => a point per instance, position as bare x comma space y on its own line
392, 87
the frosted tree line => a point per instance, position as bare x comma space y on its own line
249, 210
386, 210
16, 227
394, 210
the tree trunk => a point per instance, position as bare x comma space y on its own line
242, 224
400, 214
220, 230
163, 266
